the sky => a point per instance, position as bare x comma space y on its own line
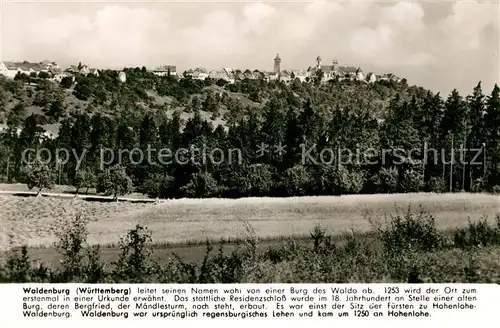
439, 45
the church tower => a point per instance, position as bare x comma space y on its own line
277, 64
318, 63
335, 66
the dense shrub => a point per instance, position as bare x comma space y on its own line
115, 181
296, 181
201, 185
479, 233
80, 262
385, 181
38, 175
411, 181
411, 232
134, 263
85, 179
409, 249
437, 184
156, 185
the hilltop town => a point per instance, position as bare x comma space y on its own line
319, 71
222, 95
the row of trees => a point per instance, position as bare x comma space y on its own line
114, 182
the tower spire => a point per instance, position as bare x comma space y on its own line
277, 64
318, 62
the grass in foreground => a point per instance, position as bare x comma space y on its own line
409, 249
30, 221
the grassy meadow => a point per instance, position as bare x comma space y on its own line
359, 238
31, 220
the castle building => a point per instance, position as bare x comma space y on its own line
329, 71
334, 70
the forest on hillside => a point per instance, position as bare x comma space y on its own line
268, 125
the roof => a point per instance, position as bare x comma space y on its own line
324, 68
327, 68
300, 73
248, 74
165, 68
55, 70
386, 76
25, 66
10, 65
218, 75
258, 74
200, 70
238, 75
347, 69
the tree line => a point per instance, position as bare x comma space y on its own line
298, 118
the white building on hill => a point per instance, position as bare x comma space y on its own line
11, 69
165, 70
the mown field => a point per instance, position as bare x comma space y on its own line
31, 220
184, 225
410, 248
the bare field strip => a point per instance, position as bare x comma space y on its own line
63, 190
31, 220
